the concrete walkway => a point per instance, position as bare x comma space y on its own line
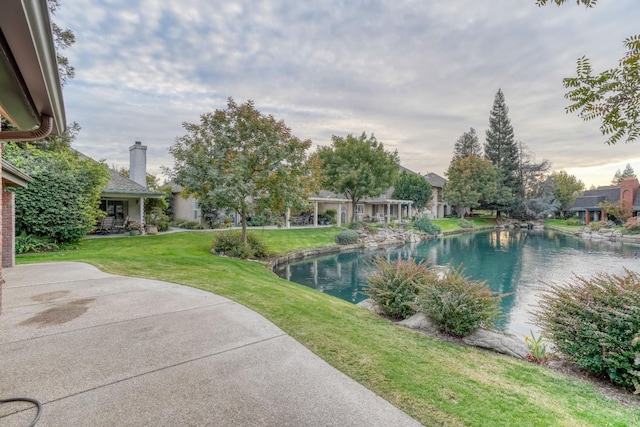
104, 350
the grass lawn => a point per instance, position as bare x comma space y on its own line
451, 224
435, 382
562, 224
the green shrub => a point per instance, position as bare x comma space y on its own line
230, 243
34, 243
425, 225
573, 221
189, 225
465, 223
595, 226
632, 225
158, 218
594, 321
458, 305
356, 225
395, 286
346, 237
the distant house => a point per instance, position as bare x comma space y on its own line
184, 207
123, 198
439, 208
586, 207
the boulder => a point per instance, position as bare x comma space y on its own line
420, 322
371, 305
497, 341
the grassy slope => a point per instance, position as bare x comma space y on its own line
435, 382
451, 224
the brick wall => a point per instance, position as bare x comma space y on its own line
629, 191
1, 240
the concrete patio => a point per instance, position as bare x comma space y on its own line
104, 350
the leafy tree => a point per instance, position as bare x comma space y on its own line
501, 149
62, 201
621, 176
618, 210
358, 167
612, 95
240, 159
565, 188
413, 187
63, 38
472, 182
468, 145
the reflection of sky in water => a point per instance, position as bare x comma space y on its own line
515, 262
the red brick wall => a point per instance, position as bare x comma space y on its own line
629, 191
8, 229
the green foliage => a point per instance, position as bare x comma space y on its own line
234, 157
464, 223
189, 225
347, 237
468, 145
358, 167
537, 348
632, 225
330, 214
62, 201
395, 285
33, 243
472, 182
573, 221
594, 321
413, 187
425, 225
565, 188
458, 305
230, 243
618, 177
157, 217
356, 225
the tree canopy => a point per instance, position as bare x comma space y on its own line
358, 167
414, 187
240, 159
621, 176
565, 188
62, 201
472, 182
611, 95
468, 145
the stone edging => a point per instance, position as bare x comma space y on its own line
609, 235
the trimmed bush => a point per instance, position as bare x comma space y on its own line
632, 225
465, 223
395, 286
189, 225
458, 305
356, 225
594, 321
230, 244
425, 225
573, 221
346, 237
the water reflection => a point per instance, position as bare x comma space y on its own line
514, 262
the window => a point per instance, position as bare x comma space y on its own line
196, 206
360, 209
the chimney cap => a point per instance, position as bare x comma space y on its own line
137, 146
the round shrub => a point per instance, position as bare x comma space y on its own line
632, 225
356, 225
425, 225
395, 286
595, 321
573, 221
459, 305
465, 223
346, 237
230, 243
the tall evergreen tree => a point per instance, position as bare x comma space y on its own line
620, 176
468, 145
502, 151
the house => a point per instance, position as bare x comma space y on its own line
11, 177
123, 198
184, 207
30, 94
586, 207
439, 208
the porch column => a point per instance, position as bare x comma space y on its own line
586, 217
339, 218
399, 212
287, 215
409, 211
388, 216
141, 203
315, 214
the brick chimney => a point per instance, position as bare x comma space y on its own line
138, 163
629, 191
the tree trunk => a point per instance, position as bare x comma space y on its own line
353, 210
244, 227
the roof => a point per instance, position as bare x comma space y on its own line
14, 177
120, 186
328, 196
29, 80
435, 180
592, 198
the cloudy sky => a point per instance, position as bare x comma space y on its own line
415, 73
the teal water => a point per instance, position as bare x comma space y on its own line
520, 263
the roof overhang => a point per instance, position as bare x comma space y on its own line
119, 195
14, 177
29, 81
328, 200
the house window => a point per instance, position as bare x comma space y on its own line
196, 206
360, 209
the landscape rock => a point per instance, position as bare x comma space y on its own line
497, 341
420, 322
371, 305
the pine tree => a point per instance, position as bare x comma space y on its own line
502, 150
468, 145
621, 176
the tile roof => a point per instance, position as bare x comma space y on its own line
435, 180
591, 198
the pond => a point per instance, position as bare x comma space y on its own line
516, 262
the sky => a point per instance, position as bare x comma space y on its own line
417, 74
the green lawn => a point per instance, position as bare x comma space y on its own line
435, 382
562, 224
451, 224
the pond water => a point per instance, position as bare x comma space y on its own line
518, 262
